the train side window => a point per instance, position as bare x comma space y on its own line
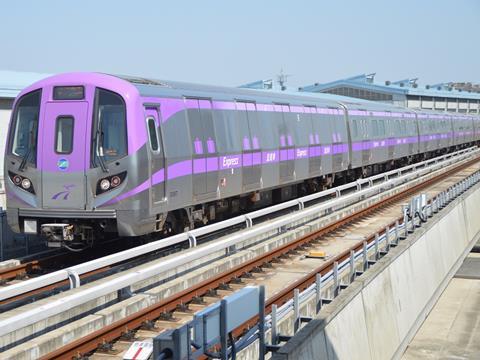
375, 128
355, 128
382, 127
64, 135
152, 133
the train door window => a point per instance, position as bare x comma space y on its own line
152, 133
268, 123
355, 129
375, 128
64, 135
195, 125
298, 125
382, 127
229, 131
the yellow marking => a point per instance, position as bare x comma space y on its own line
317, 254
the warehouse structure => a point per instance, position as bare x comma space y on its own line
454, 97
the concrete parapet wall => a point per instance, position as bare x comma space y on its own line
378, 315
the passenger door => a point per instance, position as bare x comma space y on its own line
157, 156
64, 145
251, 155
205, 156
287, 147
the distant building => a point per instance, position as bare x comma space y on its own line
11, 83
454, 97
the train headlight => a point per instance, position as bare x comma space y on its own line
115, 181
111, 182
17, 180
22, 182
26, 184
104, 185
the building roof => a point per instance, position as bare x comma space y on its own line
401, 87
12, 82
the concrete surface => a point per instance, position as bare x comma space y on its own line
452, 329
391, 301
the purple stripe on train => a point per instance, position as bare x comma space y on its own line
184, 168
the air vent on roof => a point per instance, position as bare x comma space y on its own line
142, 81
388, 82
415, 85
401, 84
427, 87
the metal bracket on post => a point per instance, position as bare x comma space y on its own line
192, 240
336, 281
377, 247
124, 293
318, 292
405, 223
249, 221
74, 279
397, 235
359, 186
296, 311
365, 256
261, 323
387, 242
274, 332
223, 330
352, 266
301, 205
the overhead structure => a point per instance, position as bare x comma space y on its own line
454, 97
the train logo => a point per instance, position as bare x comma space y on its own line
65, 193
62, 164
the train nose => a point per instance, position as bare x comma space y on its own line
62, 156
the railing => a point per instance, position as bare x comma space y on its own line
329, 285
391, 179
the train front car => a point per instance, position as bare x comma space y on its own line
73, 146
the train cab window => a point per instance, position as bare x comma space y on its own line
110, 128
23, 140
64, 135
152, 133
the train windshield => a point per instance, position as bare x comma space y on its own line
25, 128
110, 128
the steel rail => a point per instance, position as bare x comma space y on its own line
115, 330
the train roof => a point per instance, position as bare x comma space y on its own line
154, 87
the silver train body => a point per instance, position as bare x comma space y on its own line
91, 154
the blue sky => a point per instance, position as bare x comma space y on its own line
231, 43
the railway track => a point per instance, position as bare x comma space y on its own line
64, 260
289, 262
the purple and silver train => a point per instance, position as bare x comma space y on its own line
91, 154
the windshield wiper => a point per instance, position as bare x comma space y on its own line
25, 159
99, 149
